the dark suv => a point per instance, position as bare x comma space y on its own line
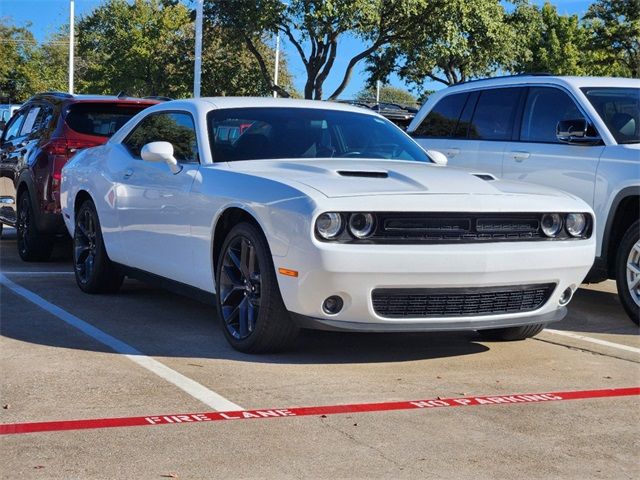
36, 143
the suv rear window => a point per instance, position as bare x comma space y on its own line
100, 119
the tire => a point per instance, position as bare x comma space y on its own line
33, 246
628, 271
510, 334
251, 311
94, 272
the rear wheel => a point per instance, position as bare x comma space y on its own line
254, 318
33, 246
512, 333
628, 271
95, 273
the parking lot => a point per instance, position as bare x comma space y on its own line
150, 355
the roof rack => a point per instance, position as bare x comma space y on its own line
528, 74
158, 97
56, 94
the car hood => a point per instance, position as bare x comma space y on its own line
349, 178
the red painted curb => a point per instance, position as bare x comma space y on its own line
31, 427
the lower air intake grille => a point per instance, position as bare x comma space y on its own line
459, 302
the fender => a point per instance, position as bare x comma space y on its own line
620, 196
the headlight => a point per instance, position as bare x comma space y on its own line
329, 225
551, 224
576, 224
361, 225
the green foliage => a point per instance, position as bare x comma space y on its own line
387, 94
26, 67
455, 40
314, 27
615, 34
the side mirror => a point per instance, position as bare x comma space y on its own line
161, 152
577, 132
438, 158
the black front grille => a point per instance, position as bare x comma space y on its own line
459, 302
399, 227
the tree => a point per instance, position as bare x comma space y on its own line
387, 94
147, 48
456, 40
615, 27
549, 42
314, 27
27, 67
138, 48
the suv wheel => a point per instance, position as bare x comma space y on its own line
95, 273
254, 318
33, 246
628, 271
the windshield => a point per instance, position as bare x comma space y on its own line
619, 108
278, 132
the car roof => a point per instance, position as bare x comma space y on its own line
61, 97
252, 102
569, 81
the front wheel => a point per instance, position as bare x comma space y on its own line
628, 271
253, 315
95, 273
510, 334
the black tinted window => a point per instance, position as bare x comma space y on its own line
176, 128
443, 118
265, 133
100, 119
494, 114
544, 108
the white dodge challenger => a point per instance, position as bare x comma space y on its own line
299, 214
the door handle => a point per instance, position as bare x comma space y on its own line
452, 152
520, 156
127, 173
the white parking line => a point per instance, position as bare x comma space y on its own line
597, 341
193, 388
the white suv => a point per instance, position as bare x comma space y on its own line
578, 134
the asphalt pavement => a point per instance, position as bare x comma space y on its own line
148, 356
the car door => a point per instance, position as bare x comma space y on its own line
13, 148
153, 204
537, 156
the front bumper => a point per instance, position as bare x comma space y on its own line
354, 271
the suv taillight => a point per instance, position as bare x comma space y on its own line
62, 150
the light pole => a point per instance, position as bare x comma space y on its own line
198, 57
275, 73
71, 39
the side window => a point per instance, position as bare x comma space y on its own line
175, 128
13, 129
30, 121
544, 108
443, 118
494, 114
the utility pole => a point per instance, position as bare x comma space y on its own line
198, 60
71, 40
378, 91
275, 74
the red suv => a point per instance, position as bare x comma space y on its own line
36, 143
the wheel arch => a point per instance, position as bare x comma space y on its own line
81, 197
226, 220
625, 209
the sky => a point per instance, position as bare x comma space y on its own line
47, 16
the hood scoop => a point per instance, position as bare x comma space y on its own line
363, 174
484, 176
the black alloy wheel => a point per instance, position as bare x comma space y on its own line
94, 272
240, 288
33, 246
253, 316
